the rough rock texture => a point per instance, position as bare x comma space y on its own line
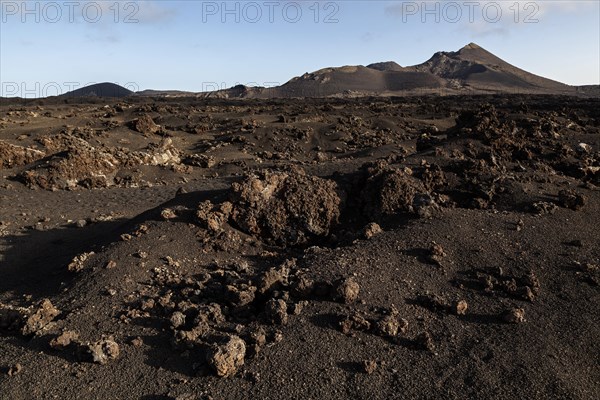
145, 124
386, 191
103, 351
225, 359
514, 316
64, 340
78, 262
213, 217
41, 316
460, 307
571, 199
371, 230
286, 207
82, 166
276, 312
346, 290
391, 325
14, 156
77, 163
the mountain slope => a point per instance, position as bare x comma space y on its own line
471, 69
473, 66
333, 81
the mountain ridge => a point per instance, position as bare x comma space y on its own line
469, 70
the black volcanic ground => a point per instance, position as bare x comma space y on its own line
376, 248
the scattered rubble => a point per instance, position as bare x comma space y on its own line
346, 290
514, 315
372, 230
64, 340
15, 369
43, 314
249, 278
570, 199
391, 325
101, 352
78, 263
460, 307
369, 366
276, 312
145, 124
425, 341
227, 358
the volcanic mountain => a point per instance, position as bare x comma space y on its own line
472, 69
105, 89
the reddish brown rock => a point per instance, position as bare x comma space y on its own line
225, 359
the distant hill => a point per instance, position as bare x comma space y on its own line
105, 89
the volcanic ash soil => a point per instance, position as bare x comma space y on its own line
369, 248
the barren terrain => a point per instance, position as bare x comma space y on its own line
432, 247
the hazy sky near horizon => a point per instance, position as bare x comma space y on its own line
54, 46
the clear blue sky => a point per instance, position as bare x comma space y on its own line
195, 45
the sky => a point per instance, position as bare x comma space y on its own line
51, 47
